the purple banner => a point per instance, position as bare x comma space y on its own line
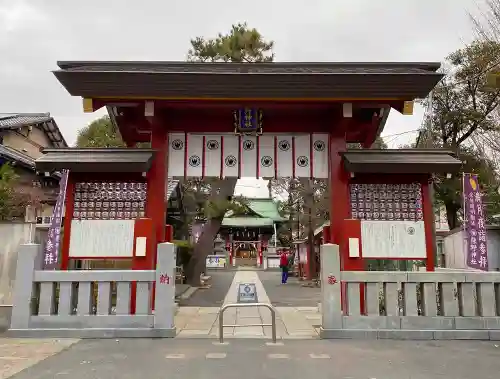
474, 225
51, 250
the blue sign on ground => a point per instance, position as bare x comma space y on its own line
247, 293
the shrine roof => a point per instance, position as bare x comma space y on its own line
401, 161
247, 222
261, 210
290, 80
265, 208
95, 160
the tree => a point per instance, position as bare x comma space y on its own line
240, 44
307, 207
16, 193
308, 204
460, 108
7, 181
100, 133
487, 23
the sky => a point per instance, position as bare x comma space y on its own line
35, 34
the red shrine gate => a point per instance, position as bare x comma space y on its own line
290, 120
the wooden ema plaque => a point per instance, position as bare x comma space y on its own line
386, 202
109, 200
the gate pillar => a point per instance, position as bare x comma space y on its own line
156, 207
331, 312
339, 210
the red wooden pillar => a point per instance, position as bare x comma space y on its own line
169, 233
339, 211
156, 208
325, 238
428, 213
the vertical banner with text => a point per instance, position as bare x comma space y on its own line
51, 250
474, 224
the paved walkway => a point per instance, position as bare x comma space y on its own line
293, 294
291, 322
213, 296
19, 354
254, 359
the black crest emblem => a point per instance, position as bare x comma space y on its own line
230, 161
319, 145
284, 145
194, 161
266, 161
177, 144
302, 161
411, 231
212, 144
248, 144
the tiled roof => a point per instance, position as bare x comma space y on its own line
266, 208
178, 80
46, 121
95, 160
401, 161
249, 68
16, 156
12, 120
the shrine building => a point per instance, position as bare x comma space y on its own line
247, 235
261, 120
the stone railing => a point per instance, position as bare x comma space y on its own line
409, 305
93, 303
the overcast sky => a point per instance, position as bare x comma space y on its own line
35, 34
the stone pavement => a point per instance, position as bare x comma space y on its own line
19, 354
258, 359
291, 322
213, 296
293, 294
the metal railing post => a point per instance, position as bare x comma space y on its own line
239, 305
273, 324
221, 324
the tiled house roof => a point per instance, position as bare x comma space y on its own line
45, 120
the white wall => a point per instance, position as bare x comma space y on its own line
12, 235
455, 252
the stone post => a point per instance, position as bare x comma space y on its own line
23, 286
330, 289
165, 290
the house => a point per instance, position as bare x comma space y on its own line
22, 138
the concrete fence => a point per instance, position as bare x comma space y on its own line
93, 304
408, 305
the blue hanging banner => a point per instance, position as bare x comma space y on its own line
248, 121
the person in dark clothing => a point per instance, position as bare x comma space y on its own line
284, 267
